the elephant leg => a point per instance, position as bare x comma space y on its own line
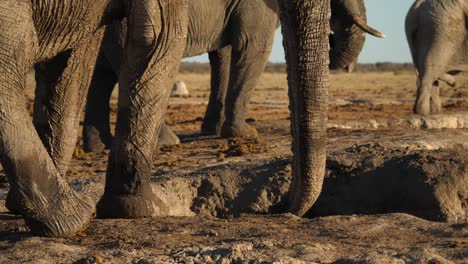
62, 85
42, 196
166, 136
435, 49
220, 61
428, 93
96, 128
248, 60
436, 104
153, 51
47, 75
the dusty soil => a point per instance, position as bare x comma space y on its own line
396, 189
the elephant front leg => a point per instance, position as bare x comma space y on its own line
247, 64
154, 49
96, 128
40, 194
220, 62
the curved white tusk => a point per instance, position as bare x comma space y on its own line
366, 28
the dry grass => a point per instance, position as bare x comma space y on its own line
371, 85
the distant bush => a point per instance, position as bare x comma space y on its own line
384, 67
397, 68
194, 67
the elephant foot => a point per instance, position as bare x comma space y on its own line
242, 130
167, 137
436, 104
422, 107
69, 214
130, 206
210, 128
11, 203
94, 141
428, 107
436, 107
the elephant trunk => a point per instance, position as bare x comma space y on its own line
305, 25
349, 28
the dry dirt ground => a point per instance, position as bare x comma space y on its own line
396, 187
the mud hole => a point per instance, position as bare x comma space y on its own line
395, 191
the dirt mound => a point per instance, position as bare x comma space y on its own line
371, 179
366, 179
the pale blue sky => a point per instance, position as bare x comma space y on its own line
388, 16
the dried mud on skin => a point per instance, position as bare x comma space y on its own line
393, 193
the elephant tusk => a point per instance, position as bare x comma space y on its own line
366, 28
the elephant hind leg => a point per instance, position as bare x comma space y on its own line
220, 61
427, 97
40, 194
62, 84
96, 128
248, 60
436, 47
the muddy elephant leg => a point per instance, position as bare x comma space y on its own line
166, 136
153, 51
247, 64
220, 61
45, 200
47, 75
96, 128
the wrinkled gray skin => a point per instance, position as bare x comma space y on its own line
306, 29
154, 47
249, 47
437, 33
63, 38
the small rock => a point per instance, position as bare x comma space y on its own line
179, 89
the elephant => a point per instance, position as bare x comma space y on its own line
62, 39
48, 31
237, 56
437, 34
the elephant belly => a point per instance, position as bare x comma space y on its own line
208, 20
60, 26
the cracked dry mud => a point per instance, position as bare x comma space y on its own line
396, 187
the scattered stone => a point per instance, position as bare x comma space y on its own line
179, 89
